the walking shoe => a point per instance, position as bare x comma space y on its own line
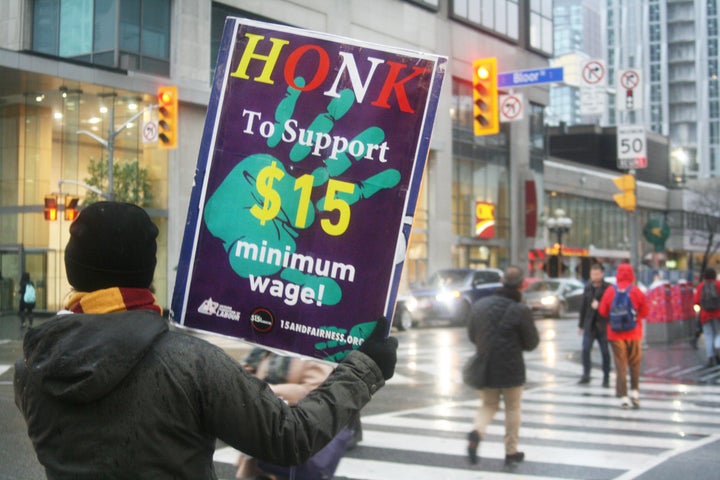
514, 458
606, 382
472, 448
583, 380
625, 403
635, 399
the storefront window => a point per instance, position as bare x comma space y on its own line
51, 146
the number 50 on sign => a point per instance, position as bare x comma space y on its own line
631, 147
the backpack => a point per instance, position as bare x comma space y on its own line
623, 316
29, 296
709, 299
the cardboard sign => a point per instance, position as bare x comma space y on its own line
306, 184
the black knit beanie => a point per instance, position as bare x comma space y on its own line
111, 244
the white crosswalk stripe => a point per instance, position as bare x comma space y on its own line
566, 427
569, 431
563, 426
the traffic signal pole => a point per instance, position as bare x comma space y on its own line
632, 218
109, 144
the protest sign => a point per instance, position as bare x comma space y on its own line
306, 183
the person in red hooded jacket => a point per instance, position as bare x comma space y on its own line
626, 346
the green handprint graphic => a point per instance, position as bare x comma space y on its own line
260, 207
360, 331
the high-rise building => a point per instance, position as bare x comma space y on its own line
674, 46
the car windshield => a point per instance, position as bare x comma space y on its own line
543, 286
447, 278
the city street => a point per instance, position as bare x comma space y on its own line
416, 426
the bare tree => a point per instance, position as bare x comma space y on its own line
706, 206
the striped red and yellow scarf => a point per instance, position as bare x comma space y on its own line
112, 300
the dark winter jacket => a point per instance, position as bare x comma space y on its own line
589, 316
118, 396
502, 328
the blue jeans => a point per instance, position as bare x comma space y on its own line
589, 336
711, 329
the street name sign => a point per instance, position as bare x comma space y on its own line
526, 78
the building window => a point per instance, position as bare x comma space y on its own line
498, 16
541, 25
128, 34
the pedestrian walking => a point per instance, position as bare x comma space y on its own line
626, 342
26, 292
707, 298
108, 391
593, 326
501, 327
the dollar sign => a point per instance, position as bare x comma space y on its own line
264, 185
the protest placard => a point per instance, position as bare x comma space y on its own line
306, 183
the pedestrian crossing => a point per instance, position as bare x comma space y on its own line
569, 431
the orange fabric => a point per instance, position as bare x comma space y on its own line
110, 300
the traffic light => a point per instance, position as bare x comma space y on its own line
167, 117
625, 200
71, 207
485, 97
51, 208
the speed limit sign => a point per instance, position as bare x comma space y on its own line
631, 147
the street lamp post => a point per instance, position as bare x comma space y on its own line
559, 225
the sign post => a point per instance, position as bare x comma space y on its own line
307, 178
629, 94
631, 147
593, 84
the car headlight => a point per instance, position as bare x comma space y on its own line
411, 304
549, 300
447, 296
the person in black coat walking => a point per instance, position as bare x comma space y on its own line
593, 326
26, 305
502, 327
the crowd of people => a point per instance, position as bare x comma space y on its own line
501, 328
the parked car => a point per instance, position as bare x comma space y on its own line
446, 296
554, 297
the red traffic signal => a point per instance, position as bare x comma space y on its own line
71, 207
485, 97
167, 117
51, 208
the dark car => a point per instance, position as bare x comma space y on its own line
446, 296
554, 297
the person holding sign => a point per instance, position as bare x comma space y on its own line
108, 391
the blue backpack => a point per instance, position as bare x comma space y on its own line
623, 316
29, 296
